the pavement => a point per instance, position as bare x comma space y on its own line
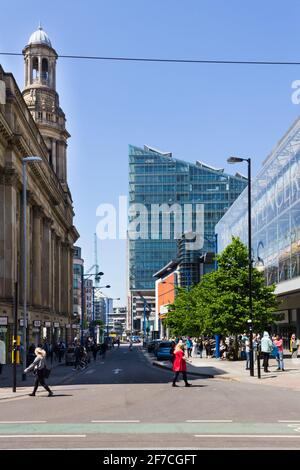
235, 370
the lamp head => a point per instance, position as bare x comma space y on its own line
31, 159
235, 160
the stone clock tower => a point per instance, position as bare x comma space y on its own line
43, 101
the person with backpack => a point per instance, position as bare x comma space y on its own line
189, 346
40, 371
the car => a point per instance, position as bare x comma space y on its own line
70, 355
163, 350
152, 344
136, 339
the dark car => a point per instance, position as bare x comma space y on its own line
152, 344
163, 350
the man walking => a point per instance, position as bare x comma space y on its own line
266, 349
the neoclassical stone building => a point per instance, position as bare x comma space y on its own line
32, 123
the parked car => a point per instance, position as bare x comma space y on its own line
136, 339
151, 345
70, 355
163, 350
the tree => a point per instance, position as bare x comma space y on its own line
219, 304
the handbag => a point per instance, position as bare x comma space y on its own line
47, 372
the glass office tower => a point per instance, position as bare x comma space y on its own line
157, 178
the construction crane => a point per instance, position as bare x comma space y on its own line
95, 266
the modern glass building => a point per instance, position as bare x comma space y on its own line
275, 225
156, 178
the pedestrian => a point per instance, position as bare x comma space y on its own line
118, 342
200, 347
189, 346
246, 341
94, 350
130, 344
207, 346
194, 349
39, 369
172, 351
77, 355
266, 349
294, 345
179, 365
279, 356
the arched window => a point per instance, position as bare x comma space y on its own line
35, 69
45, 71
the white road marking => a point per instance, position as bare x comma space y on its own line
116, 371
291, 436
42, 435
22, 422
90, 371
289, 421
209, 421
116, 421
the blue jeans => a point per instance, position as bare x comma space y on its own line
248, 360
279, 358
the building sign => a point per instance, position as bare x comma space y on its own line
21, 321
56, 325
282, 316
48, 324
68, 326
37, 323
75, 326
3, 321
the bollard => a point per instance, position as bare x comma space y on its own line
258, 363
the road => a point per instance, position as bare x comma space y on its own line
125, 402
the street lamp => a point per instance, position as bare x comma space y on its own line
25, 160
248, 160
97, 275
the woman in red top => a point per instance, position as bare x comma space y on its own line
179, 365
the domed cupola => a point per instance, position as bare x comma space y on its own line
40, 37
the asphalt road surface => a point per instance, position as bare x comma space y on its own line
124, 402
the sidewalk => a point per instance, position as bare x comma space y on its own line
23, 387
235, 371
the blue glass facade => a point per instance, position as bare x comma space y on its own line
275, 213
157, 178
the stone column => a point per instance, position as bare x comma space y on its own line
8, 233
36, 254
58, 275
53, 253
46, 262
53, 143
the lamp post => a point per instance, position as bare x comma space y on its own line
97, 275
25, 160
250, 321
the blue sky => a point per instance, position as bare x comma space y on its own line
203, 112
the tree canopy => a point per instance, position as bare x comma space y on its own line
219, 304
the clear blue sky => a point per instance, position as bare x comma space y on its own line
202, 112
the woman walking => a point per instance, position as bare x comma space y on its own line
179, 365
294, 345
38, 366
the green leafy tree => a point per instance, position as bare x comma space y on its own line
219, 304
